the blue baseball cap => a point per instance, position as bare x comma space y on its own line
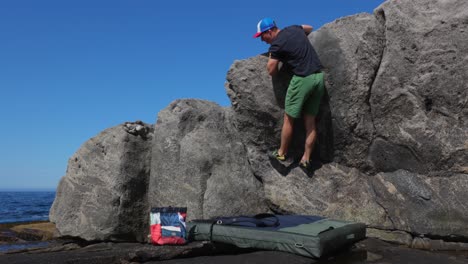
264, 25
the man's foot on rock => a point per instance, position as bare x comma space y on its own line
305, 165
277, 156
280, 163
309, 167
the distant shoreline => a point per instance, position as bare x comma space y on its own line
13, 224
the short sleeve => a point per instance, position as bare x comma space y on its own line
274, 52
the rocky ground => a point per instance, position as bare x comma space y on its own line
35, 243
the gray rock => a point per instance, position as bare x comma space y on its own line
334, 191
104, 192
424, 205
419, 98
257, 113
351, 51
199, 162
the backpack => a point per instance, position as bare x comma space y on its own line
167, 225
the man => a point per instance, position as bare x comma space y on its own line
291, 45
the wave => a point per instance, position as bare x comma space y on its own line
25, 206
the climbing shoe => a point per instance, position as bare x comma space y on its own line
309, 167
305, 165
277, 156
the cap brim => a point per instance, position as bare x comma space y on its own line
258, 34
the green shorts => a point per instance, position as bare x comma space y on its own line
304, 95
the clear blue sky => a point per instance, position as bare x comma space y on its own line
70, 69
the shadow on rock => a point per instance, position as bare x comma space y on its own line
285, 167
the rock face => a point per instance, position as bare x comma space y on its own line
103, 196
199, 162
423, 205
395, 119
351, 50
421, 88
393, 139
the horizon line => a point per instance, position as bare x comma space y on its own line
26, 189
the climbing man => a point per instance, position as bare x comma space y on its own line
290, 45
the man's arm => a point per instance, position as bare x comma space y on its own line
272, 66
307, 29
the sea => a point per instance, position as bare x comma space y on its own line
25, 206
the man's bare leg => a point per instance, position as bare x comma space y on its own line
311, 136
286, 134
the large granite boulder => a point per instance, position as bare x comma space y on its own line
199, 162
103, 195
396, 108
393, 139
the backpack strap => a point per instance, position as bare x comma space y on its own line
260, 220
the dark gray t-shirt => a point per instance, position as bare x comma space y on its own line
292, 46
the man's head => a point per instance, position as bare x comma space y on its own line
266, 29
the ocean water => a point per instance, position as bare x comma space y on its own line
24, 206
